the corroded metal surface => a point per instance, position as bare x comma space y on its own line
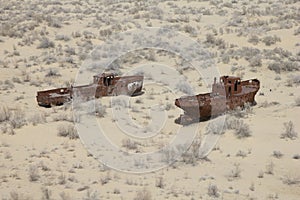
227, 94
103, 85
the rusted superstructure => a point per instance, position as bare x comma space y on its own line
227, 94
103, 85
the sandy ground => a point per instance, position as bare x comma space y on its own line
43, 44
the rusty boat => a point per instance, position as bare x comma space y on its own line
227, 94
102, 85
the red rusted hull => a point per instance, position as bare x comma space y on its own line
104, 85
204, 106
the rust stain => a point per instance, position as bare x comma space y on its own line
103, 85
227, 94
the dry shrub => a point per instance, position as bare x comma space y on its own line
160, 182
45, 43
33, 173
270, 40
215, 127
297, 101
184, 87
277, 154
5, 113
291, 180
46, 193
213, 191
240, 128
37, 118
143, 195
17, 119
289, 131
270, 168
129, 144
67, 131
235, 172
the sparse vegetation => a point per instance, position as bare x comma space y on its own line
291, 179
289, 130
270, 168
270, 40
277, 154
33, 173
46, 193
44, 43
184, 87
297, 101
143, 194
5, 113
213, 191
235, 172
241, 129
67, 131
261, 174
129, 144
159, 182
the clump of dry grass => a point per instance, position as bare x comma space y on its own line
277, 154
130, 144
241, 129
235, 173
213, 191
33, 173
13, 195
67, 131
143, 194
270, 168
5, 113
289, 131
291, 180
159, 182
45, 43
297, 101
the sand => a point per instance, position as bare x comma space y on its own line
37, 163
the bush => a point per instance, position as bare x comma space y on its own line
242, 130
5, 113
100, 110
270, 168
289, 131
215, 128
67, 131
62, 37
46, 193
293, 79
17, 119
275, 66
212, 191
184, 87
45, 43
255, 61
289, 180
129, 144
143, 195
277, 154
160, 182
253, 39
269, 40
52, 73
33, 173
235, 172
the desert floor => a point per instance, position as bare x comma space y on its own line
44, 44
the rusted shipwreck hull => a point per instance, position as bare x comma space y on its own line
103, 85
227, 94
